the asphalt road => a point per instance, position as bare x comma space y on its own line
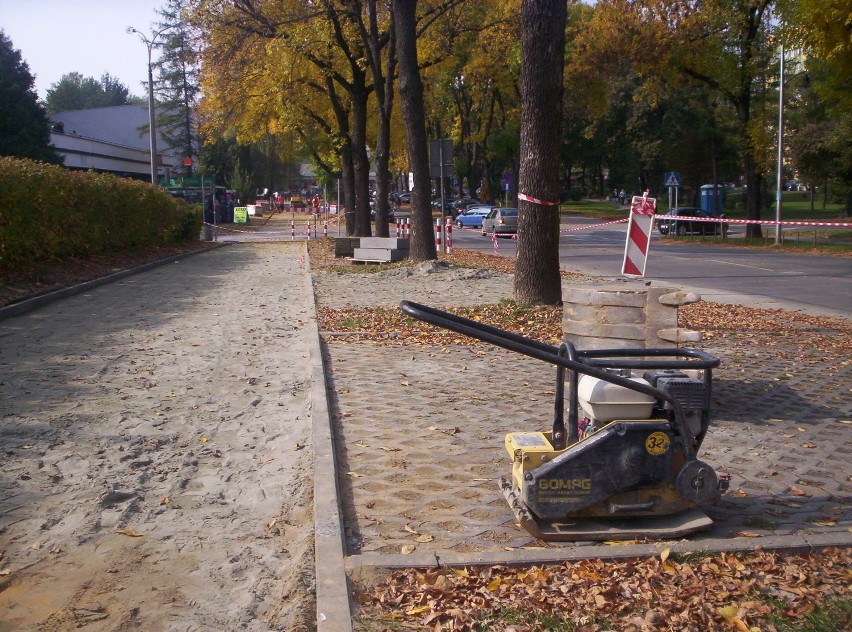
818, 284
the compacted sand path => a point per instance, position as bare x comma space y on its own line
156, 463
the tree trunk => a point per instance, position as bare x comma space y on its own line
383, 83
411, 97
348, 189
537, 278
360, 162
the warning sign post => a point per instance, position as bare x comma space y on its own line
642, 211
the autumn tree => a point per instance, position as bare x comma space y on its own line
820, 120
24, 126
537, 278
473, 95
723, 45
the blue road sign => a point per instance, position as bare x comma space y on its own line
672, 179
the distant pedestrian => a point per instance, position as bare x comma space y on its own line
622, 197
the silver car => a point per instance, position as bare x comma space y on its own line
501, 221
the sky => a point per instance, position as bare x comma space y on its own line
56, 37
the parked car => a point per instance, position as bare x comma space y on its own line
448, 206
464, 203
667, 224
501, 221
391, 215
472, 216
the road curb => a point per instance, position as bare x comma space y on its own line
574, 553
334, 613
30, 304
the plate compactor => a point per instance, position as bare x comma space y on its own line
624, 465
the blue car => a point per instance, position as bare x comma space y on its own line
472, 217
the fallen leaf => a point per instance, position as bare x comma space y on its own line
424, 538
387, 449
407, 549
130, 533
410, 530
5, 572
419, 610
35, 545
267, 459
404, 384
165, 500
354, 474
202, 439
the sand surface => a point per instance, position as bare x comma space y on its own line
155, 438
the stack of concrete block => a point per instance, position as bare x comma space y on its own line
345, 246
381, 250
625, 316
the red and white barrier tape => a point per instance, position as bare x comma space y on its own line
529, 198
571, 230
766, 222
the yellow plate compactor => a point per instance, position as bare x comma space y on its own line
625, 464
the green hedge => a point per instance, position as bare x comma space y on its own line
50, 213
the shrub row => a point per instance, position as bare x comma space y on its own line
50, 213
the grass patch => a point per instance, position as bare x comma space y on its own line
525, 621
594, 209
831, 616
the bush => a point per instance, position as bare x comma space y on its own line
50, 213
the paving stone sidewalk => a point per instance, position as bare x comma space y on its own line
419, 435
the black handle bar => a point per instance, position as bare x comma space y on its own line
585, 362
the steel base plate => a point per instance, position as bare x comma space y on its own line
634, 528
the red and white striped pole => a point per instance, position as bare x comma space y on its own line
398, 229
438, 235
449, 235
308, 226
408, 228
293, 228
494, 239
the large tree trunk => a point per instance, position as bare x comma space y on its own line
411, 98
360, 162
537, 278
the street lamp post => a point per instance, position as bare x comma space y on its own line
152, 127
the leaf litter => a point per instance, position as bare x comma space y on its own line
743, 591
